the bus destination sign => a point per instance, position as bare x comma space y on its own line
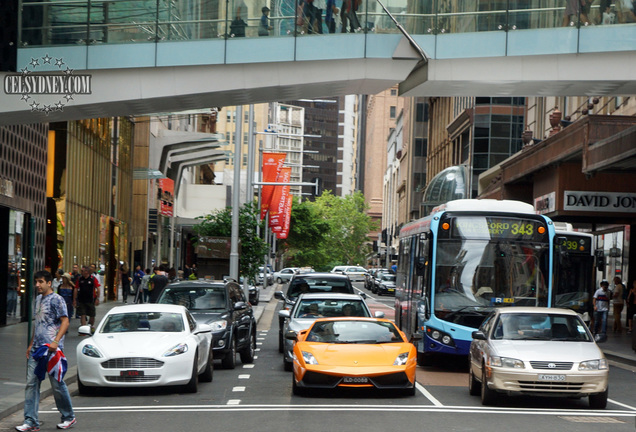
487, 227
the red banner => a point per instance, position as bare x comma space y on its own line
286, 219
279, 201
272, 164
166, 196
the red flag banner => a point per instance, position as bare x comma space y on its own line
279, 200
272, 164
286, 219
166, 196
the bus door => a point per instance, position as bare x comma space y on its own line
420, 295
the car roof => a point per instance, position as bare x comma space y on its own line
321, 275
329, 296
536, 310
351, 318
147, 307
200, 283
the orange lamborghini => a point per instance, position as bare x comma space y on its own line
353, 352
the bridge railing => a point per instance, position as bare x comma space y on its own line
87, 22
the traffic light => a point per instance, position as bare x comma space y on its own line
600, 260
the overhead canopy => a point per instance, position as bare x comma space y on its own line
450, 184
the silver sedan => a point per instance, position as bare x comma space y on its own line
537, 351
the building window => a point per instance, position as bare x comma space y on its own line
392, 112
393, 92
421, 112
421, 145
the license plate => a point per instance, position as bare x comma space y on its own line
355, 380
391, 289
551, 377
131, 373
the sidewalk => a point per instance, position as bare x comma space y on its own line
13, 339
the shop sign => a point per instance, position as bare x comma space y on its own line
545, 203
613, 202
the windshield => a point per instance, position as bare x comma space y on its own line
574, 282
484, 262
301, 285
203, 298
143, 322
315, 308
367, 332
541, 327
387, 278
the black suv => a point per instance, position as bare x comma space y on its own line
301, 283
223, 306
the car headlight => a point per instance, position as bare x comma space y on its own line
401, 359
176, 350
218, 325
91, 351
309, 358
505, 362
593, 365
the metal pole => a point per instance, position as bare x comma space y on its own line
236, 195
250, 157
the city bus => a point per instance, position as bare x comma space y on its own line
574, 281
464, 259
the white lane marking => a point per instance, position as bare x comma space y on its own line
261, 339
257, 349
622, 404
244, 376
390, 408
248, 366
259, 343
238, 389
234, 402
428, 395
12, 383
255, 357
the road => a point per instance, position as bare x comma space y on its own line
258, 397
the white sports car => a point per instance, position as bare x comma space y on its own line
145, 345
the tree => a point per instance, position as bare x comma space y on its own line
253, 248
332, 230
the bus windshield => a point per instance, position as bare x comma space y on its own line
486, 262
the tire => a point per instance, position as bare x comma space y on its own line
474, 386
424, 359
488, 397
193, 385
229, 361
208, 373
287, 365
599, 401
247, 354
280, 342
298, 391
84, 390
280, 281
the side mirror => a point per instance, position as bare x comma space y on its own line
284, 313
290, 335
378, 314
85, 330
203, 328
479, 335
240, 305
416, 337
279, 295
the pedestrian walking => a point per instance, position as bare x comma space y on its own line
87, 296
67, 291
631, 307
601, 308
47, 343
124, 278
157, 283
617, 304
12, 290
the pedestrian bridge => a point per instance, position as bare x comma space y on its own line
147, 56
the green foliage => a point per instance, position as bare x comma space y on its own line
329, 231
252, 247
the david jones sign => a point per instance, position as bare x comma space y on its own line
599, 201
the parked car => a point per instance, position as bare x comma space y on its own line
223, 306
537, 351
323, 354
385, 283
285, 274
315, 282
355, 273
310, 307
145, 345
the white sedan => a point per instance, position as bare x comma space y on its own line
284, 275
145, 345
